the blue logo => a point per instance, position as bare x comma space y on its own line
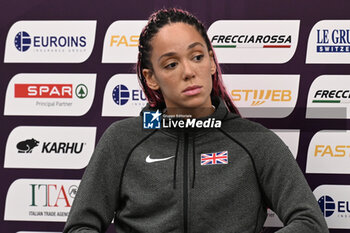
151, 120
335, 41
121, 94
327, 205
22, 41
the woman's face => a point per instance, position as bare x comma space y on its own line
182, 67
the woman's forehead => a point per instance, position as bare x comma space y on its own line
175, 36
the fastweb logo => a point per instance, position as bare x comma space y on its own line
121, 41
263, 95
258, 97
254, 41
329, 152
155, 120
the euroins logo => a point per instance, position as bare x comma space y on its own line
50, 91
27, 145
341, 96
155, 120
327, 205
121, 95
23, 42
334, 41
260, 96
251, 41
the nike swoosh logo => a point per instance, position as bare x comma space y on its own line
150, 160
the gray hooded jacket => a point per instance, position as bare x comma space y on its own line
153, 181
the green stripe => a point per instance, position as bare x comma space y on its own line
326, 101
224, 46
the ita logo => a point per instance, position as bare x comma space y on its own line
81, 91
121, 94
151, 120
22, 41
327, 205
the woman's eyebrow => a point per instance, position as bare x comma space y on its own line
173, 53
167, 55
195, 44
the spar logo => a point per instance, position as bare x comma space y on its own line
22, 41
333, 40
257, 97
251, 41
327, 205
254, 41
50, 91
121, 41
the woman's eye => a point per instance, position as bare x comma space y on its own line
198, 57
171, 65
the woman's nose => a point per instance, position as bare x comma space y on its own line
188, 70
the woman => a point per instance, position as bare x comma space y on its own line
190, 179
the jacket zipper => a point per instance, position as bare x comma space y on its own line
185, 183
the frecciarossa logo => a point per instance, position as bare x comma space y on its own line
329, 97
249, 41
254, 41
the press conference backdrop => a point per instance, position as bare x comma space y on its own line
67, 72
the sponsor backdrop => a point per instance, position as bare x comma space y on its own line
67, 72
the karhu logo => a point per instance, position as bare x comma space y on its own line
62, 147
27, 145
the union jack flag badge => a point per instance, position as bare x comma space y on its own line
214, 158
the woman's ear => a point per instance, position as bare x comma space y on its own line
150, 79
212, 63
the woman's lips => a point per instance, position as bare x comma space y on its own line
192, 90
